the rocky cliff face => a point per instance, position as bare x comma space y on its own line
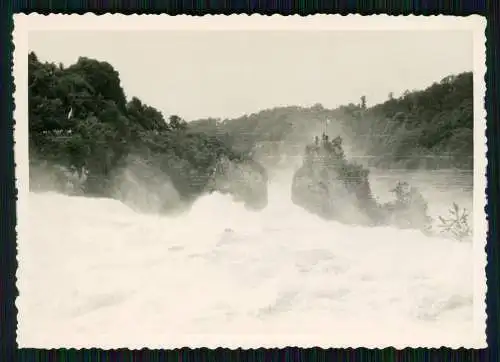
143, 186
246, 181
328, 185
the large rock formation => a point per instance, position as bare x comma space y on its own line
143, 185
328, 185
246, 180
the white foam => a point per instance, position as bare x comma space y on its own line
95, 273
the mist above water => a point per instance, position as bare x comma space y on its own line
94, 272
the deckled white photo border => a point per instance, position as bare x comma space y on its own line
23, 24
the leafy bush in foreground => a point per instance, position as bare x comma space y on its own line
457, 225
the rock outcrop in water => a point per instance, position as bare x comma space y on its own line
146, 187
246, 181
328, 185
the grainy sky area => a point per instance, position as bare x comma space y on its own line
226, 74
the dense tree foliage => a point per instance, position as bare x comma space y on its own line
432, 128
80, 120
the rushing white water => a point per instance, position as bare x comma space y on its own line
95, 273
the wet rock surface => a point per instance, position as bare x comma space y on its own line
330, 186
246, 181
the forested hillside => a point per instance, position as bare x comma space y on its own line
81, 122
431, 128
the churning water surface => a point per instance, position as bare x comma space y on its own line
94, 273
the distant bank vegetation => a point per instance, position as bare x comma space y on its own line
85, 136
430, 129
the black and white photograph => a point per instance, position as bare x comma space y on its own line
250, 181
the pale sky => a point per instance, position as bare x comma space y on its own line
226, 74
